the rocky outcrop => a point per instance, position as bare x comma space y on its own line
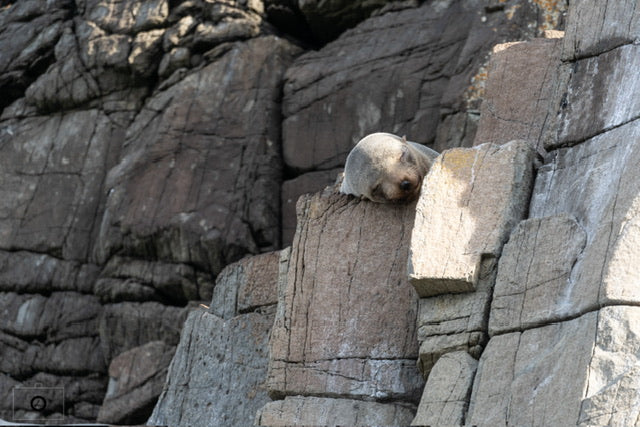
147, 147
562, 343
343, 304
218, 374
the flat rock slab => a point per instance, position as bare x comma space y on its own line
217, 375
562, 374
199, 180
346, 323
52, 170
515, 107
446, 394
596, 183
247, 285
534, 271
470, 201
136, 378
308, 411
602, 94
596, 26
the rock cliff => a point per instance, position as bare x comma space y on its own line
151, 156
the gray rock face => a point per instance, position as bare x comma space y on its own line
228, 359
421, 71
28, 32
486, 191
157, 206
136, 378
298, 410
445, 397
145, 146
516, 107
336, 332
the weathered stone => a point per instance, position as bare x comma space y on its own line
52, 171
28, 32
595, 182
516, 107
247, 285
136, 378
145, 49
420, 62
28, 272
328, 19
78, 396
128, 16
131, 279
211, 200
456, 130
228, 359
453, 322
60, 316
433, 347
534, 271
294, 188
126, 325
298, 410
345, 300
470, 201
72, 356
560, 374
596, 26
602, 94
446, 394
90, 64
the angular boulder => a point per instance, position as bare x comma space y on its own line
470, 201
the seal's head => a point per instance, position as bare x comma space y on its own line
385, 168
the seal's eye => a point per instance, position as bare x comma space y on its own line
405, 185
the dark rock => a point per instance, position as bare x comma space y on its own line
29, 30
131, 279
292, 189
247, 285
425, 63
126, 325
198, 182
52, 170
60, 316
23, 272
217, 375
136, 380
75, 397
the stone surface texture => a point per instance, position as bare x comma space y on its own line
218, 374
563, 319
485, 189
446, 394
346, 321
151, 156
298, 410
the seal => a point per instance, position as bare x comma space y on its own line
386, 168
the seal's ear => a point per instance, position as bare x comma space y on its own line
404, 139
405, 156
